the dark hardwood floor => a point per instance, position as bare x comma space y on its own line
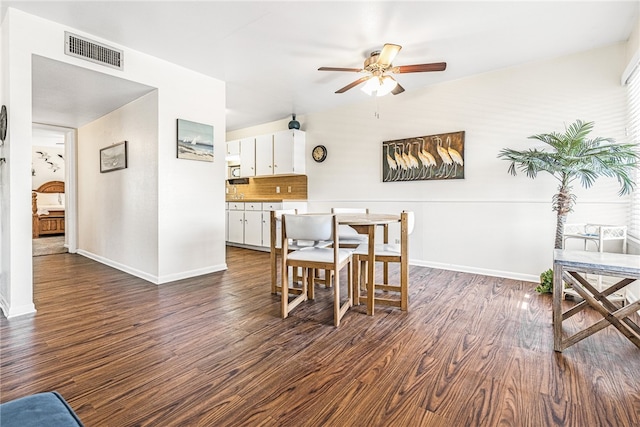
212, 351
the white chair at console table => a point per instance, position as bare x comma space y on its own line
598, 234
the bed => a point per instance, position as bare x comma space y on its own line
47, 205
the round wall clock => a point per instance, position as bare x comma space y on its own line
3, 123
319, 153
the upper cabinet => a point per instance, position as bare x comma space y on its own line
233, 148
288, 152
264, 155
279, 153
247, 157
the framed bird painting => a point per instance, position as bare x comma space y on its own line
422, 158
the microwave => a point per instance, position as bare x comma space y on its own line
234, 171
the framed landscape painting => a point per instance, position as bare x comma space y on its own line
195, 141
113, 157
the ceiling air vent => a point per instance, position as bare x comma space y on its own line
92, 51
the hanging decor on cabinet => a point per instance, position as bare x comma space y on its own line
195, 141
428, 157
294, 124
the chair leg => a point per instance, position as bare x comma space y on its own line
274, 272
284, 292
287, 305
339, 309
355, 281
309, 276
336, 300
350, 283
404, 284
385, 272
327, 278
363, 275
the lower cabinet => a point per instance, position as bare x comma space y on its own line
253, 224
236, 226
249, 223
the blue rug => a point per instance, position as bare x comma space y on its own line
38, 410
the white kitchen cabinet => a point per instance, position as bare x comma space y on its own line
264, 155
279, 153
226, 222
236, 225
249, 223
288, 152
245, 223
247, 157
233, 148
267, 207
253, 224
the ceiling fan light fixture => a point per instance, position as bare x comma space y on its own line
379, 86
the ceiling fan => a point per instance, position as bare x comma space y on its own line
378, 65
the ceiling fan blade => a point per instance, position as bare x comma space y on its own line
357, 70
388, 54
397, 90
419, 68
353, 84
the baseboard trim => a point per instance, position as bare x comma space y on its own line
11, 312
156, 280
192, 273
473, 270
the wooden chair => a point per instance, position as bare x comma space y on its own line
315, 228
349, 238
276, 247
386, 253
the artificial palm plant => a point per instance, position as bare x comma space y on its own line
575, 157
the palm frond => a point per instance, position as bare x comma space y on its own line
575, 157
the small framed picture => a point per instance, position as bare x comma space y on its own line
195, 141
113, 157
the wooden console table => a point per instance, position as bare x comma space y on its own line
568, 266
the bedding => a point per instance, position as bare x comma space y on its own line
47, 202
48, 210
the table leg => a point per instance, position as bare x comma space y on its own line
371, 280
557, 307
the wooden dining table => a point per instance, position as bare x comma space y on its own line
367, 224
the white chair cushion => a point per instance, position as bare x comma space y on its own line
353, 240
381, 249
301, 244
319, 255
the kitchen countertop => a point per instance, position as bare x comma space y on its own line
262, 200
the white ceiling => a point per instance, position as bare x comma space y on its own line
268, 52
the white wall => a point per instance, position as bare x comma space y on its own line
118, 219
194, 188
490, 222
46, 164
